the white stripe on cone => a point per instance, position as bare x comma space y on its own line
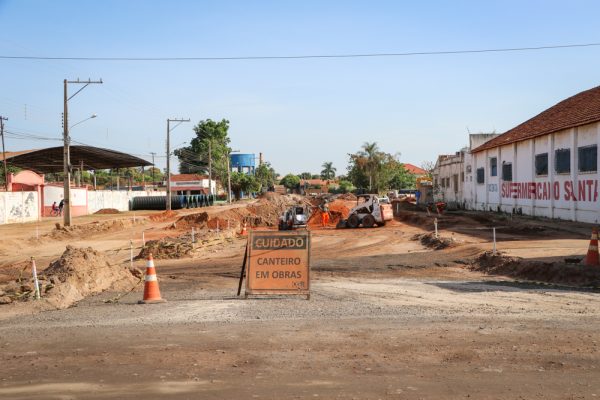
150, 278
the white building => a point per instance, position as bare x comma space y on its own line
452, 173
547, 166
188, 184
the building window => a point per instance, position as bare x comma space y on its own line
468, 169
493, 166
562, 164
541, 164
462, 176
507, 172
455, 179
480, 175
588, 158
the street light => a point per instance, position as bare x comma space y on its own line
66, 144
82, 121
80, 177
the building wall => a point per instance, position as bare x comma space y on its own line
19, 207
448, 179
572, 195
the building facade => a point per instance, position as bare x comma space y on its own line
547, 166
453, 173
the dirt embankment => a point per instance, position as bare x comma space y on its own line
264, 212
94, 228
108, 211
78, 273
561, 273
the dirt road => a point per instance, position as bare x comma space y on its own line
388, 318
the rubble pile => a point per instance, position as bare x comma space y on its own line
78, 273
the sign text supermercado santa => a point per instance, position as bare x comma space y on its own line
278, 262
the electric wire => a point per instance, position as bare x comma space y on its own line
306, 56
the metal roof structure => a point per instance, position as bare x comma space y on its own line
50, 160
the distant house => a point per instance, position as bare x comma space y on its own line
413, 169
188, 184
316, 185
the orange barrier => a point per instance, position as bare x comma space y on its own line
592, 258
151, 290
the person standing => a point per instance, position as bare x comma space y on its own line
324, 214
60, 207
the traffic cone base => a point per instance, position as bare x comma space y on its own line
593, 258
151, 289
244, 231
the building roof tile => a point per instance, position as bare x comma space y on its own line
580, 109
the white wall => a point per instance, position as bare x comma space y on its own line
18, 207
571, 196
118, 199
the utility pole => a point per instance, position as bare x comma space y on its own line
153, 166
228, 179
180, 120
2, 119
209, 167
66, 150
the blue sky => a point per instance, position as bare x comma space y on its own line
299, 113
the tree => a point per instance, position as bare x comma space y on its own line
242, 182
194, 158
290, 181
428, 166
265, 176
305, 175
377, 170
328, 171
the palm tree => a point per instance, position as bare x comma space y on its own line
372, 155
328, 171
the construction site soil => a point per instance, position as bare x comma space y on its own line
395, 312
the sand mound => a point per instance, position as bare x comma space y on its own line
163, 216
436, 243
197, 220
78, 273
347, 197
93, 228
167, 248
108, 211
538, 271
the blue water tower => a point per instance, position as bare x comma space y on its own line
245, 163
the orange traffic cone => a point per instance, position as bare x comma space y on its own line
592, 258
151, 290
244, 231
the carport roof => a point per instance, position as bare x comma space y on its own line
50, 160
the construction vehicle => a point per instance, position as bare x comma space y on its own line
295, 217
369, 211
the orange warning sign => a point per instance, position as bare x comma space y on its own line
278, 262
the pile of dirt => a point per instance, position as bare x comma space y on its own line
96, 227
337, 212
347, 197
552, 272
163, 216
108, 211
78, 273
269, 207
197, 220
167, 248
437, 243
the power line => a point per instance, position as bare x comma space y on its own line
304, 56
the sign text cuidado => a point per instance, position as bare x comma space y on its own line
278, 262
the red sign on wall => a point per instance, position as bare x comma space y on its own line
584, 190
